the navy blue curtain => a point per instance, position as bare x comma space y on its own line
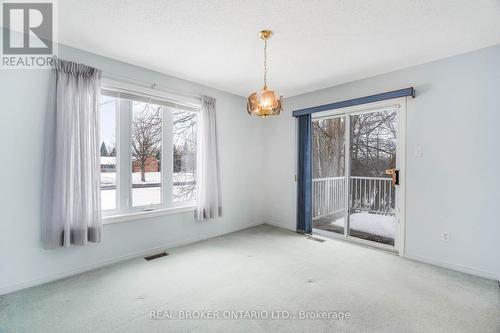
304, 176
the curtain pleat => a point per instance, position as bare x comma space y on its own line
71, 198
304, 176
208, 193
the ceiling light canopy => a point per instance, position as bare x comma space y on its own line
266, 102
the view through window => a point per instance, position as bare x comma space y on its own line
108, 152
158, 138
146, 153
184, 155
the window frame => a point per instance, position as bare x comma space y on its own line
124, 211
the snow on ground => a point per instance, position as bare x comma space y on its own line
141, 197
148, 195
375, 224
109, 178
108, 199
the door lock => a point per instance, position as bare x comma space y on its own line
394, 173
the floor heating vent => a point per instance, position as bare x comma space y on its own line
156, 256
316, 239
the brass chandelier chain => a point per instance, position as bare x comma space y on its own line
265, 63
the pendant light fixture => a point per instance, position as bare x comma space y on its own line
266, 102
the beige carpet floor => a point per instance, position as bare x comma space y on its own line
261, 269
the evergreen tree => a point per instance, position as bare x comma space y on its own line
104, 150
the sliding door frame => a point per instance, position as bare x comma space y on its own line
400, 211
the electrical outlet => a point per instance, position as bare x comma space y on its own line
445, 236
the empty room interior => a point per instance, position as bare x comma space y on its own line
249, 166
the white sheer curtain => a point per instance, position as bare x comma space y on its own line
71, 198
208, 205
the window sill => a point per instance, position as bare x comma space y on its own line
146, 214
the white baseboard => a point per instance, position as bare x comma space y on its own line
61, 275
454, 267
279, 225
103, 263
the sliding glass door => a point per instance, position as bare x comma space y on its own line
356, 173
372, 195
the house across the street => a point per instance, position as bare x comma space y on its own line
108, 164
152, 165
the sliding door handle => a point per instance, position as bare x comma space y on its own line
394, 173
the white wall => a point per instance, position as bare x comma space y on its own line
455, 187
23, 98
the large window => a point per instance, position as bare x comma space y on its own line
148, 152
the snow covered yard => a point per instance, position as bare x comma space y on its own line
148, 195
109, 178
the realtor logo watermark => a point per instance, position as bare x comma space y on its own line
28, 34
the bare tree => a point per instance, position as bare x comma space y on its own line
146, 134
373, 143
184, 140
372, 150
328, 147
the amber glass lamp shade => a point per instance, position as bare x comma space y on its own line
264, 103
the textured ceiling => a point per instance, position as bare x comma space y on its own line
316, 43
